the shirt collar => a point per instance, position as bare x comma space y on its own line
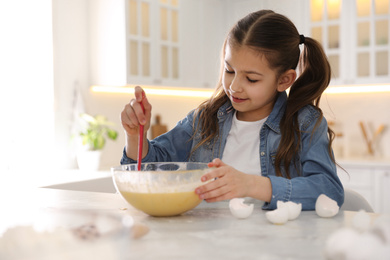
273, 121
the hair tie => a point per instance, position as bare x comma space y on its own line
301, 39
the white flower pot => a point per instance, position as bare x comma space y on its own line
89, 160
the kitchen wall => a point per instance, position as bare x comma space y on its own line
346, 110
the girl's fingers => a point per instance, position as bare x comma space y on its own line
128, 119
139, 93
215, 193
139, 113
216, 183
143, 114
211, 175
147, 110
214, 173
223, 182
216, 163
132, 115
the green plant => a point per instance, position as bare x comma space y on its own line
95, 130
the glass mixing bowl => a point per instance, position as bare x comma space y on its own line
160, 189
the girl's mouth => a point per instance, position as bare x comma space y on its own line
238, 100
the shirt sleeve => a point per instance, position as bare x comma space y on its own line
318, 173
173, 146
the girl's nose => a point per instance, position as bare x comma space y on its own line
235, 86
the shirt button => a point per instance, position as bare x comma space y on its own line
262, 153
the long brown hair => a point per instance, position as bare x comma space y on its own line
276, 37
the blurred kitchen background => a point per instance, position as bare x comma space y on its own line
59, 58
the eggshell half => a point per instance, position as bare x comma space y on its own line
294, 209
326, 207
278, 216
239, 209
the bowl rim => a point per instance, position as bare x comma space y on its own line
121, 168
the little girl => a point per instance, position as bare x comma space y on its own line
264, 143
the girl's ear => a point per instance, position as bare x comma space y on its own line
286, 80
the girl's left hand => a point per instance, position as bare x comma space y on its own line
229, 183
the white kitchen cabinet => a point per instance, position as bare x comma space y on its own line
355, 37
135, 42
369, 178
382, 185
167, 42
150, 42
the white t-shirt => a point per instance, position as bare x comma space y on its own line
243, 146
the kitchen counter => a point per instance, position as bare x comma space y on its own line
207, 232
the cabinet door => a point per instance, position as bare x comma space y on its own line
382, 191
327, 27
371, 40
152, 41
355, 37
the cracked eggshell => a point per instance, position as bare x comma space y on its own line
278, 216
326, 207
239, 209
294, 209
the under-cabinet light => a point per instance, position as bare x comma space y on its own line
157, 90
206, 93
375, 88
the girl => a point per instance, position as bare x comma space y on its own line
272, 146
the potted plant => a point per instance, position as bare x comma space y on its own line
93, 134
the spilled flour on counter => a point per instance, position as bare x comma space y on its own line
26, 243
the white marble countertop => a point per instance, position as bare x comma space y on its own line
207, 232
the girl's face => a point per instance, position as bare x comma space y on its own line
249, 82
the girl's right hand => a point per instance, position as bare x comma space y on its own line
132, 115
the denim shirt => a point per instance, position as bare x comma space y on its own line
313, 174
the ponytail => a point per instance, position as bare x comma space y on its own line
315, 74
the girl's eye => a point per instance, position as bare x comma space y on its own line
229, 71
251, 80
